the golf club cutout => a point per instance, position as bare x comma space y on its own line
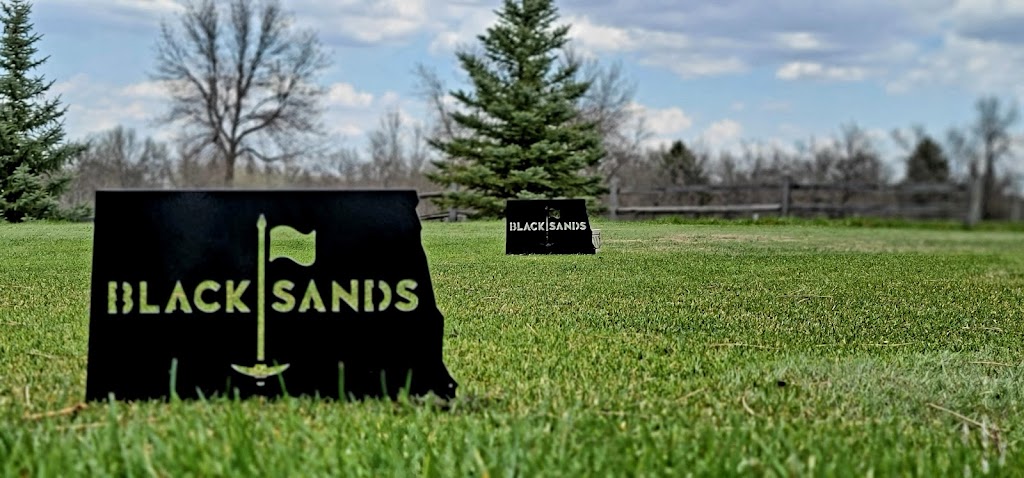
261, 370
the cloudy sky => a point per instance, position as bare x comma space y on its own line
721, 72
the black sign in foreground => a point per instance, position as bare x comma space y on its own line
547, 226
318, 293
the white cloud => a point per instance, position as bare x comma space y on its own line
460, 24
70, 85
803, 41
793, 37
145, 7
698, 65
444, 42
799, 70
672, 50
95, 106
689, 38
977, 45
600, 37
663, 125
352, 122
346, 96
376, 30
983, 67
668, 49
700, 40
360, 21
989, 20
378, 21
146, 90
348, 129
664, 121
390, 98
722, 133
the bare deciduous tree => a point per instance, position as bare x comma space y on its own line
859, 159
397, 154
118, 159
609, 100
980, 149
908, 140
241, 80
432, 90
610, 103
964, 159
992, 130
387, 153
344, 166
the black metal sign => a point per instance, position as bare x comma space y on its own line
318, 293
547, 226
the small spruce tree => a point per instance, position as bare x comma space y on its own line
681, 166
526, 137
927, 164
32, 147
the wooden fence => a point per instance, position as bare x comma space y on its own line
787, 198
429, 212
791, 198
426, 210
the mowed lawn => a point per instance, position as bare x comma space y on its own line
678, 349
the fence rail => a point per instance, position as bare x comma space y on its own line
727, 208
852, 187
784, 207
948, 200
451, 215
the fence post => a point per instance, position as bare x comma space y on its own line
787, 184
1016, 209
453, 215
614, 198
974, 193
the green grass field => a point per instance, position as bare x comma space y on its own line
679, 349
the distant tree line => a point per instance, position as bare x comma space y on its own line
976, 157
398, 155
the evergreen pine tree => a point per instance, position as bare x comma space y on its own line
927, 164
681, 166
32, 147
526, 137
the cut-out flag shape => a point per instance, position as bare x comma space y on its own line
288, 243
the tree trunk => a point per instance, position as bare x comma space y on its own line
229, 167
975, 194
229, 172
989, 189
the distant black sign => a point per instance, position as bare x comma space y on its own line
248, 290
547, 226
